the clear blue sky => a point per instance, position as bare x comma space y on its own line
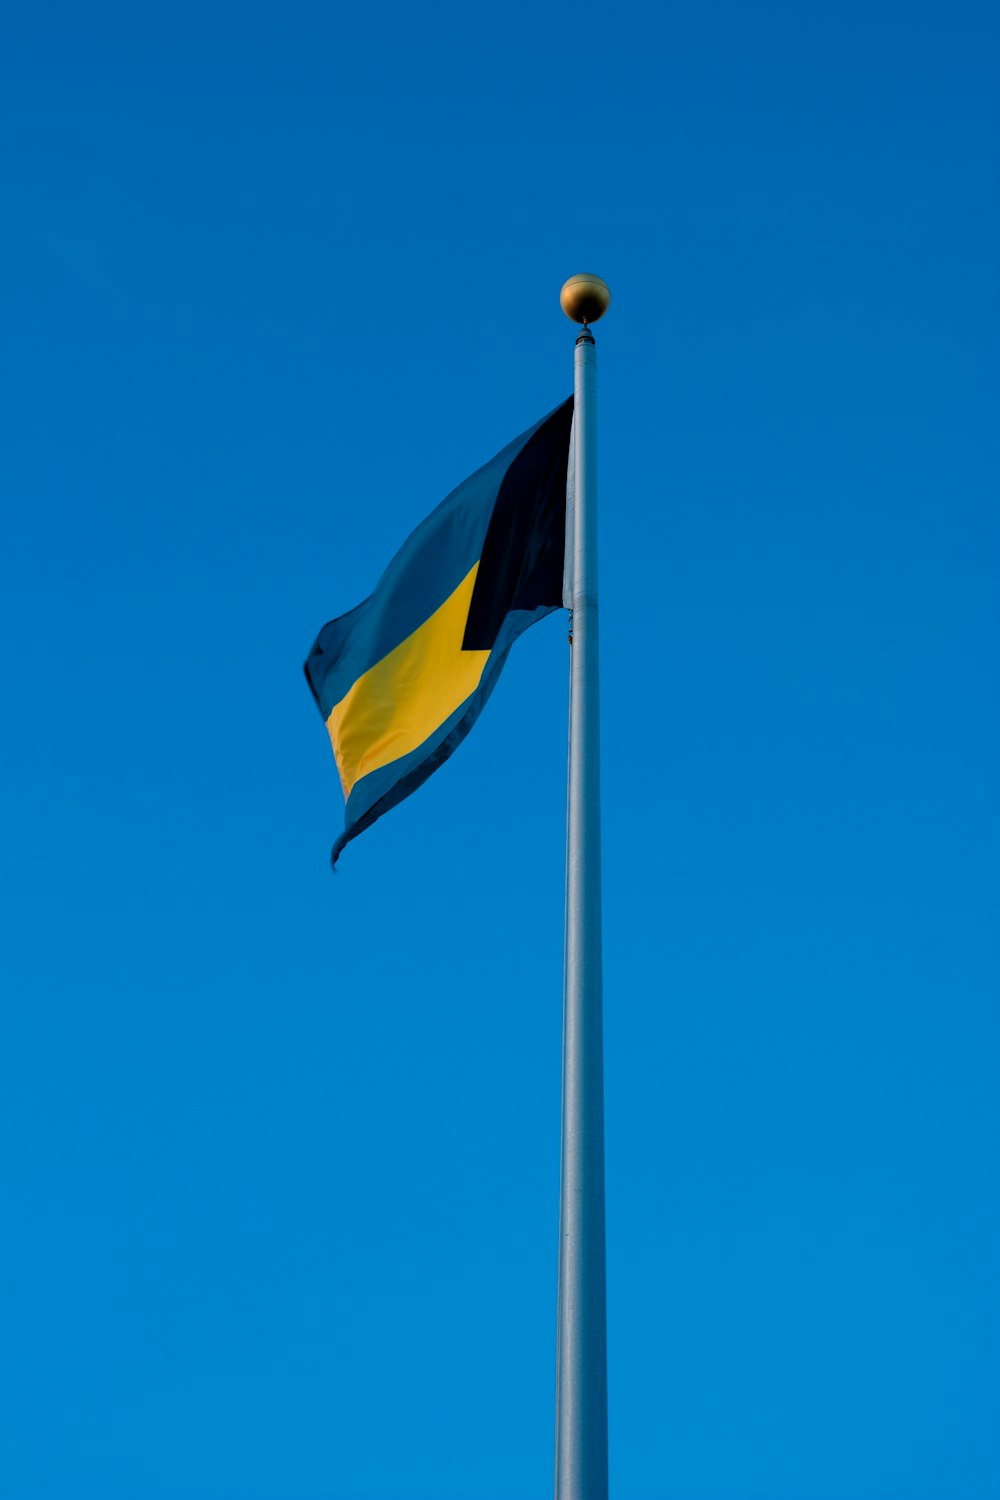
280, 1149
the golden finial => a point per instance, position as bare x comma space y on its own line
585, 298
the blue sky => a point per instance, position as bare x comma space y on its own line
280, 1149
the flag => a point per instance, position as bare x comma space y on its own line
402, 678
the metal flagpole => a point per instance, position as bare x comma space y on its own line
581, 1359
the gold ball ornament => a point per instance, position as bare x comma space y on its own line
585, 298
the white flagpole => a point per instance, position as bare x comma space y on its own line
581, 1360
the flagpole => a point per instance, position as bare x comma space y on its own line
581, 1468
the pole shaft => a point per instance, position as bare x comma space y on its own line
581, 1365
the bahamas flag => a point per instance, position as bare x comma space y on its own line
401, 680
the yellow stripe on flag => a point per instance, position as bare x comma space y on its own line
403, 698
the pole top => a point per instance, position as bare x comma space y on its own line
585, 298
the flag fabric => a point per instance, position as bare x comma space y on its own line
401, 680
